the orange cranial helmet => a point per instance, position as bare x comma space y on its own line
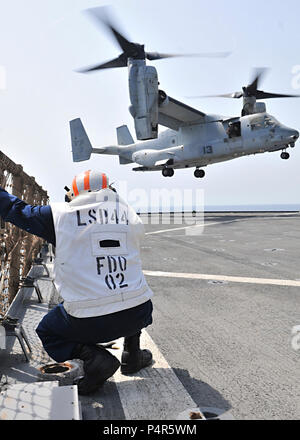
89, 181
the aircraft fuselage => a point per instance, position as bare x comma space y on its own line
210, 142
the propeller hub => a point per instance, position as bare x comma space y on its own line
137, 51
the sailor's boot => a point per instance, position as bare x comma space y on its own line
133, 358
98, 365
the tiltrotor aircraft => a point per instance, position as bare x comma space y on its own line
193, 139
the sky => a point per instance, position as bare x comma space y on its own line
42, 43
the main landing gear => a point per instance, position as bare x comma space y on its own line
285, 155
199, 174
168, 172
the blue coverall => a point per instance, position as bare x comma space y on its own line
58, 331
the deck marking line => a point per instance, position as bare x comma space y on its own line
196, 276
154, 393
212, 224
189, 227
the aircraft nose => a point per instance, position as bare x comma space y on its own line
291, 135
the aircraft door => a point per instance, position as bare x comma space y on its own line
235, 135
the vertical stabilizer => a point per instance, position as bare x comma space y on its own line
81, 146
124, 136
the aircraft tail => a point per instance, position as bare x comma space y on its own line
81, 146
124, 136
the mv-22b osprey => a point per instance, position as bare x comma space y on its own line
193, 139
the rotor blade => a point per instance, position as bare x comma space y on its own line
102, 15
235, 95
123, 42
152, 56
259, 73
117, 62
264, 95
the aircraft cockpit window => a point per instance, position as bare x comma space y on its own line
257, 123
270, 122
262, 122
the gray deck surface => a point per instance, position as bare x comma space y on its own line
223, 343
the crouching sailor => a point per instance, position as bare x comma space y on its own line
98, 274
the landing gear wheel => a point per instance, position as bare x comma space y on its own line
285, 156
168, 172
199, 174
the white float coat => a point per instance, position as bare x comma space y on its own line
98, 269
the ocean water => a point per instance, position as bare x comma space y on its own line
254, 208
226, 208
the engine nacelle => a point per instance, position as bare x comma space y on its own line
143, 90
252, 107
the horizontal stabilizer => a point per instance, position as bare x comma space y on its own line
81, 146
